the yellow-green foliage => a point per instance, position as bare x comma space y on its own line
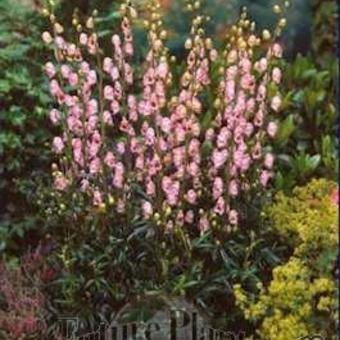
301, 298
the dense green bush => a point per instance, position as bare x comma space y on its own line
25, 159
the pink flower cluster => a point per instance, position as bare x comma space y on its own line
113, 136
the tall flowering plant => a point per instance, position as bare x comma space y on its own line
178, 149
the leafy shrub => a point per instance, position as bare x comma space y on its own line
306, 143
301, 298
24, 132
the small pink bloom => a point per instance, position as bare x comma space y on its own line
203, 224
166, 125
60, 182
233, 188
50, 70
220, 206
83, 38
108, 92
150, 136
268, 161
264, 177
121, 148
95, 166
219, 158
46, 37
65, 71
84, 185
92, 77
272, 129
262, 65
191, 196
147, 209
277, 50
97, 198
276, 75
128, 47
213, 55
73, 79
58, 145
276, 103
55, 116
107, 118
217, 188
233, 217
162, 70
110, 160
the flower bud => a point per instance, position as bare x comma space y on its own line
276, 9
188, 44
266, 35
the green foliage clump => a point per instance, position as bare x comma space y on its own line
306, 141
301, 298
24, 155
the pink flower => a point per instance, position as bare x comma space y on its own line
54, 88
46, 37
233, 188
262, 65
189, 217
219, 208
84, 186
217, 188
166, 125
110, 160
203, 224
150, 188
272, 129
277, 50
150, 136
73, 79
162, 70
92, 77
95, 166
147, 209
83, 38
128, 47
276, 103
60, 182
268, 161
121, 148
97, 198
50, 70
92, 107
108, 92
264, 177
55, 116
233, 217
191, 196
65, 71
276, 75
58, 145
213, 55
107, 118
219, 158
247, 81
